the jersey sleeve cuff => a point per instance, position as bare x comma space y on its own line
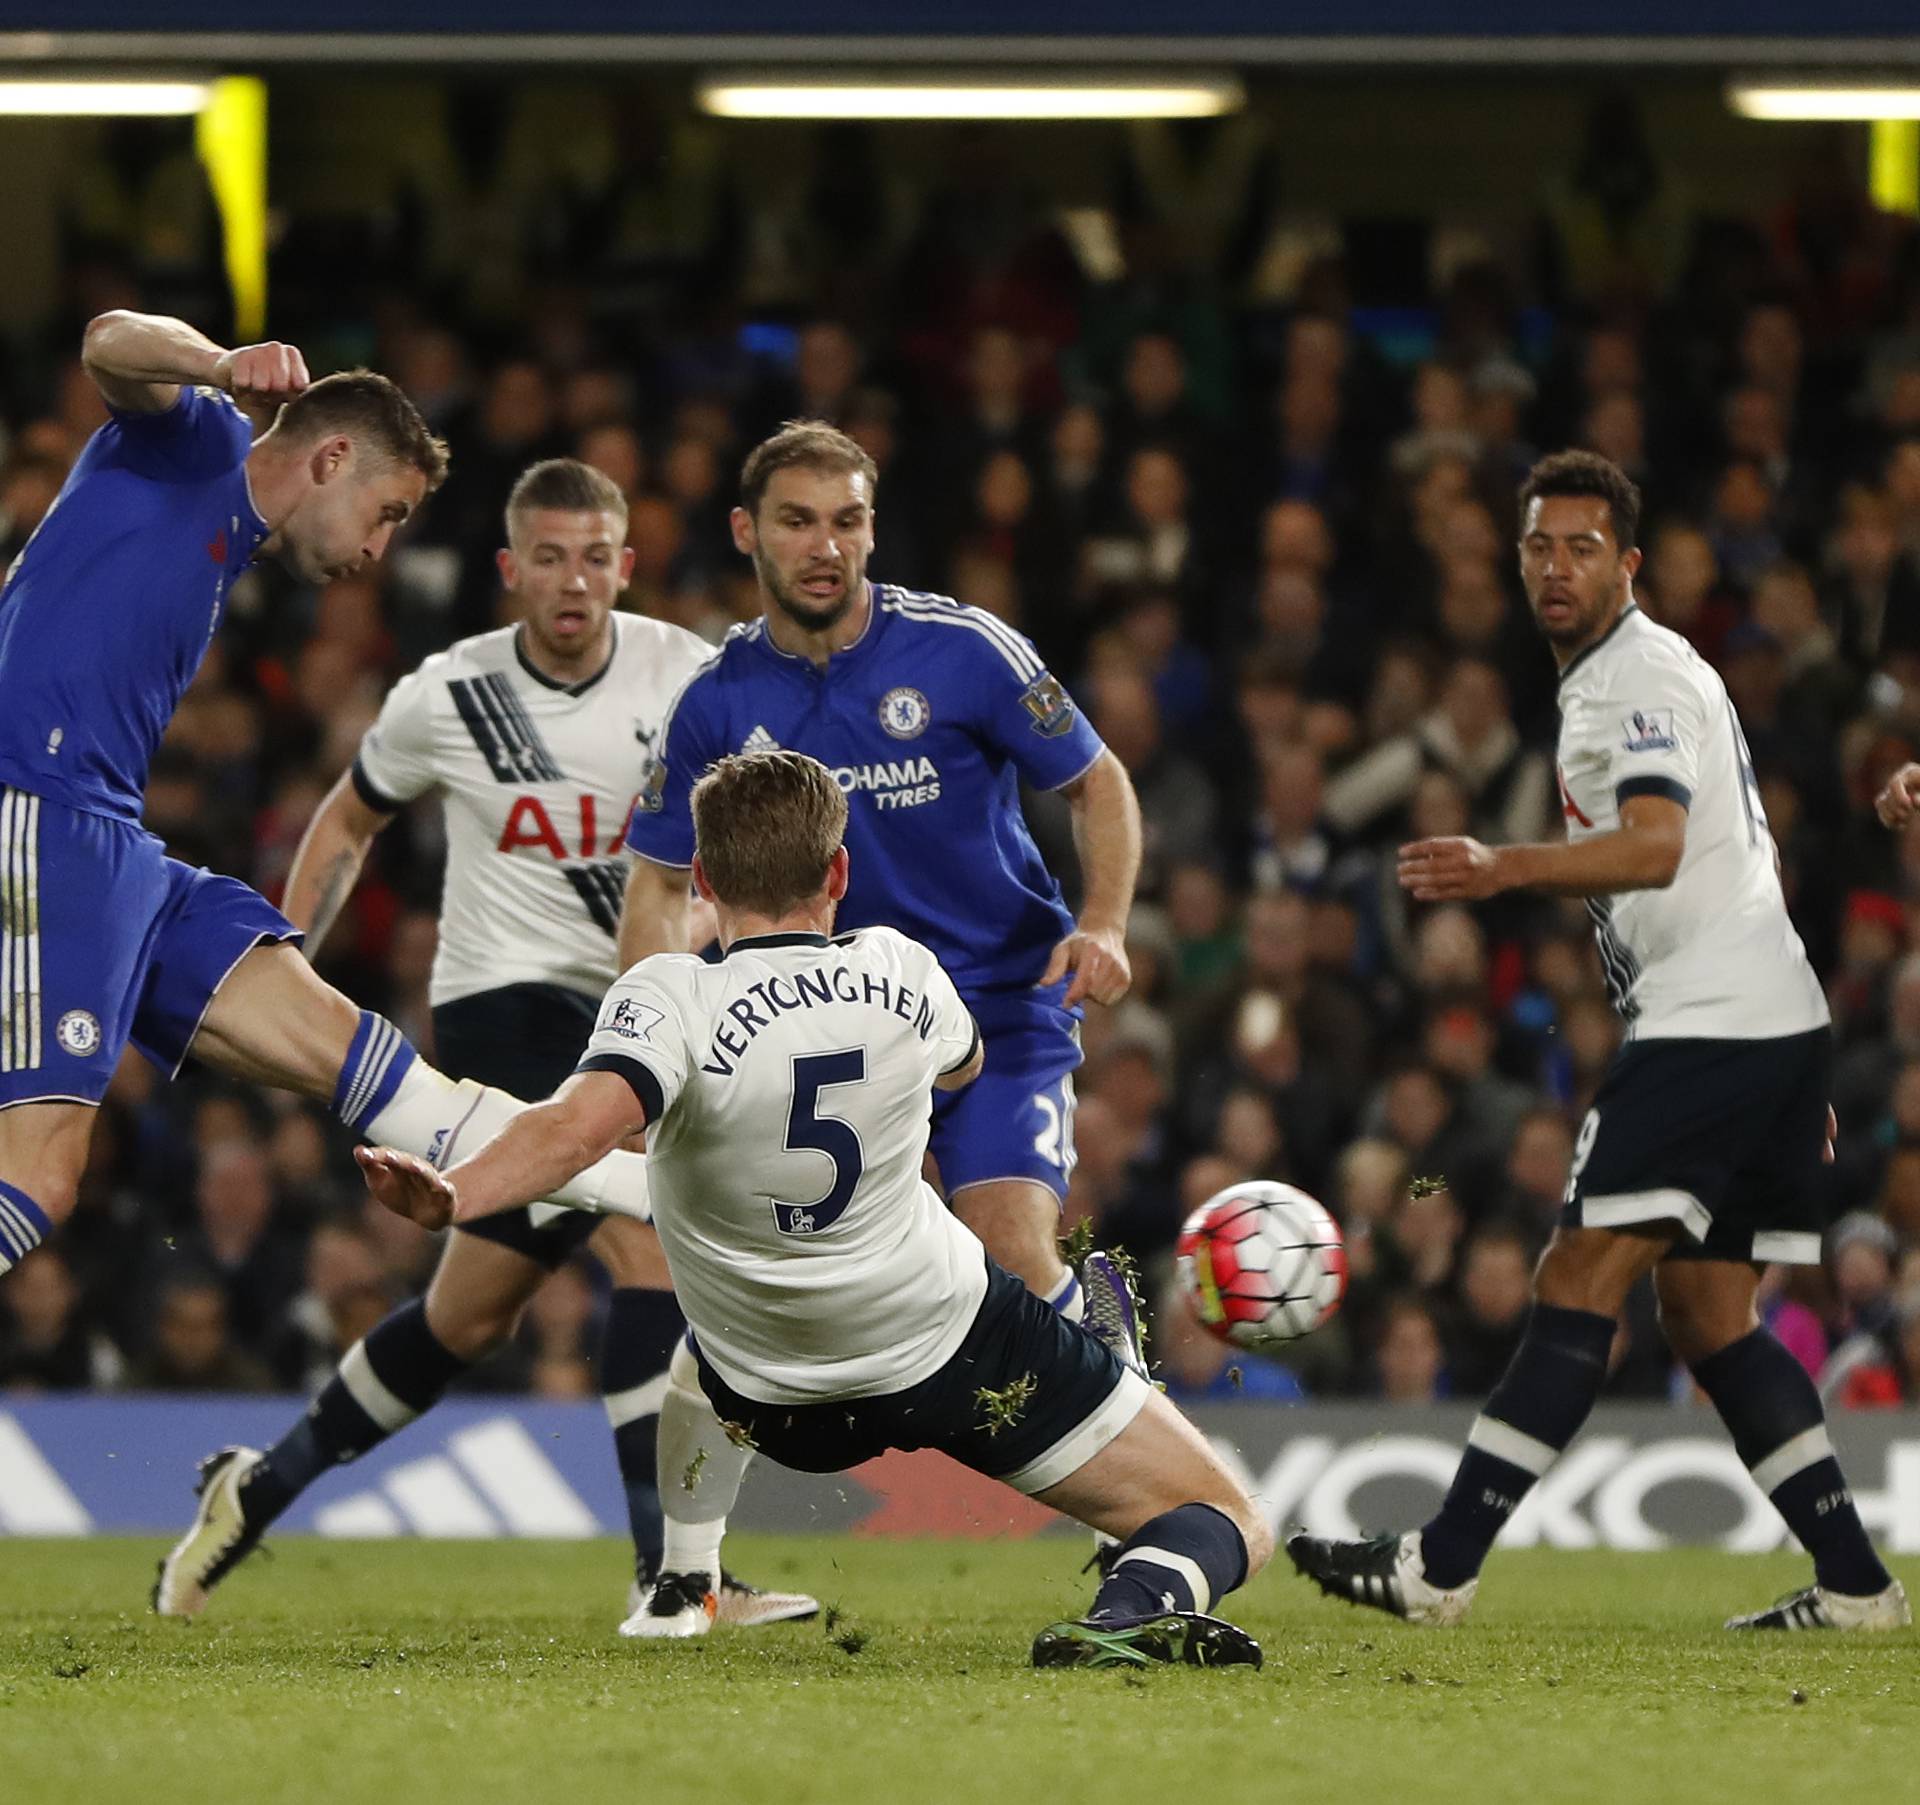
966, 1059
645, 1085
1099, 752
371, 793
1666, 787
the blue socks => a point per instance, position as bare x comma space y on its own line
376, 1063
1546, 1393
641, 1331
1183, 1560
1772, 1408
383, 1383
23, 1226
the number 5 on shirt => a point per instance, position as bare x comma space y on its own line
809, 1131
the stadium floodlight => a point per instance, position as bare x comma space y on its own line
1823, 100
98, 99
800, 97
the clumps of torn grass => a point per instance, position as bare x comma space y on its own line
1003, 1408
1425, 1185
1077, 1243
842, 1631
690, 1479
740, 1435
1129, 1269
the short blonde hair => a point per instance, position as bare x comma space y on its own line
766, 826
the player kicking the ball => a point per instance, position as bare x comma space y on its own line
837, 1308
538, 737
1700, 1160
104, 619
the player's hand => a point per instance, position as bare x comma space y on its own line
1097, 957
262, 375
1450, 870
1896, 804
1833, 1135
407, 1185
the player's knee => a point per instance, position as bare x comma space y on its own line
1698, 1323
631, 1253
1019, 1226
469, 1330
1587, 1270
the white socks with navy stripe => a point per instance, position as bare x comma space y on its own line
391, 1095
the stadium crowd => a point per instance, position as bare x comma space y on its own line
1268, 545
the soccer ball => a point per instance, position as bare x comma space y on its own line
1262, 1264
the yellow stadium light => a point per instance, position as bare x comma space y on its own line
787, 97
231, 137
45, 99
1823, 100
1893, 166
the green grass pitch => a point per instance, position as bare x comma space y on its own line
409, 1673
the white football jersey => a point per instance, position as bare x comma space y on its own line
539, 779
1713, 955
789, 1087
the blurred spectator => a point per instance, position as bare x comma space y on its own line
1496, 1292
46, 1343
1409, 1358
1472, 736
191, 1347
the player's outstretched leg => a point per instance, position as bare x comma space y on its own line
274, 1021
1429, 1575
699, 1474
1772, 1408
1188, 1536
396, 1374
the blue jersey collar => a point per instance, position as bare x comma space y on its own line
258, 532
760, 634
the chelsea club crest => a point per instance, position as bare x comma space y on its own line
904, 713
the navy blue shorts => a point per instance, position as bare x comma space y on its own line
1723, 1137
106, 940
1080, 1398
524, 1039
1016, 1119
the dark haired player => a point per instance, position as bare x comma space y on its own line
929, 714
1701, 1158
104, 619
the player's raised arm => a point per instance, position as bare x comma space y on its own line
140, 361
538, 1151
1106, 831
327, 865
1644, 853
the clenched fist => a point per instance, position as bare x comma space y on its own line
262, 375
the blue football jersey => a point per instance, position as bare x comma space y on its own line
107, 612
928, 722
